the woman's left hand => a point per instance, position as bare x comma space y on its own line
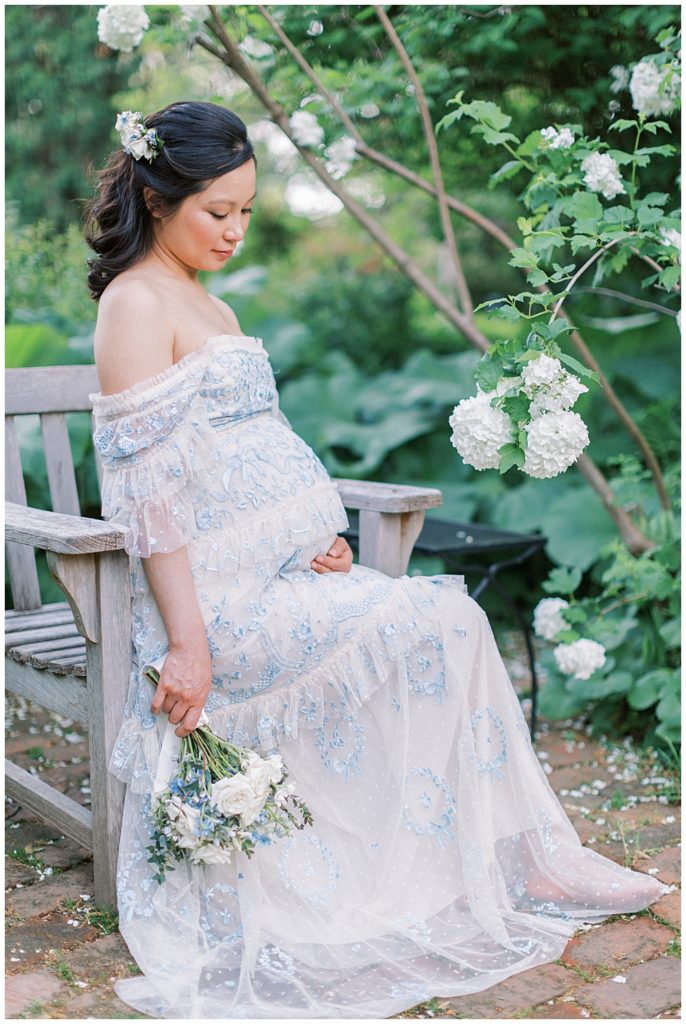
339, 558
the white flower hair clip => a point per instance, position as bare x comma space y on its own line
137, 140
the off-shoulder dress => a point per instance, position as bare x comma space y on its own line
440, 861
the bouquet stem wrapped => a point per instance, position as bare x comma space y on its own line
222, 799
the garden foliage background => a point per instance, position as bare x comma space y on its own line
368, 370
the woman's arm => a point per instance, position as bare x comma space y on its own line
186, 676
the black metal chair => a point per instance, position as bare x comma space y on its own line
470, 548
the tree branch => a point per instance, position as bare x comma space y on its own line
636, 541
233, 58
430, 135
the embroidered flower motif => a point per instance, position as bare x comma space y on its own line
122, 27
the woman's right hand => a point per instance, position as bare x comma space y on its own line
184, 685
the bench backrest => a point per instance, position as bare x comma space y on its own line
49, 392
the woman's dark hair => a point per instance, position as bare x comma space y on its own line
202, 141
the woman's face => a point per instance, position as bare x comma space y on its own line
204, 231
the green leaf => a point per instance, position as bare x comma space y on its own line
648, 215
597, 687
508, 170
488, 372
516, 407
510, 455
448, 120
585, 208
619, 215
562, 580
648, 689
582, 242
523, 258
493, 137
670, 277
671, 633
574, 364
537, 277
486, 112
622, 125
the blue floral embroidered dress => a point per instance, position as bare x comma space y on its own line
440, 862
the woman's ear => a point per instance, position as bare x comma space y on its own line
152, 201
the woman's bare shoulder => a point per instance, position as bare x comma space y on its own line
228, 314
134, 335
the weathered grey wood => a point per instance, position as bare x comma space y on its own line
59, 810
50, 389
58, 613
43, 632
21, 561
53, 531
108, 666
47, 646
64, 694
387, 539
60, 464
383, 497
76, 577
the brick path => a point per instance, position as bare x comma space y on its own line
63, 955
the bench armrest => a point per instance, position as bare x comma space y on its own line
54, 531
381, 497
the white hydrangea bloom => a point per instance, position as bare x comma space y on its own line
340, 155
479, 431
620, 78
306, 129
548, 621
555, 441
670, 236
543, 370
558, 140
559, 395
601, 174
122, 28
256, 48
652, 91
580, 659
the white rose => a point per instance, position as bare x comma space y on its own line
122, 27
543, 370
306, 129
580, 659
233, 795
601, 174
548, 621
555, 441
479, 431
186, 823
211, 854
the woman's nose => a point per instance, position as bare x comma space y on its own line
234, 229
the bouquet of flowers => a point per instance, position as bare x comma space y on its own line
222, 799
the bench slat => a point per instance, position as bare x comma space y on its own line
64, 694
21, 561
54, 807
58, 612
42, 633
60, 464
41, 389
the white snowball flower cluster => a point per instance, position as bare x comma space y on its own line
256, 48
479, 430
543, 370
601, 174
620, 78
558, 140
122, 28
653, 89
551, 388
580, 659
306, 129
555, 440
548, 621
340, 155
670, 236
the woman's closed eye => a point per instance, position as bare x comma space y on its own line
223, 216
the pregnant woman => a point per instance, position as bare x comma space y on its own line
440, 862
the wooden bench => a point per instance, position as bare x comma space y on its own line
73, 657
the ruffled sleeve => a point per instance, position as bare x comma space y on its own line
148, 438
